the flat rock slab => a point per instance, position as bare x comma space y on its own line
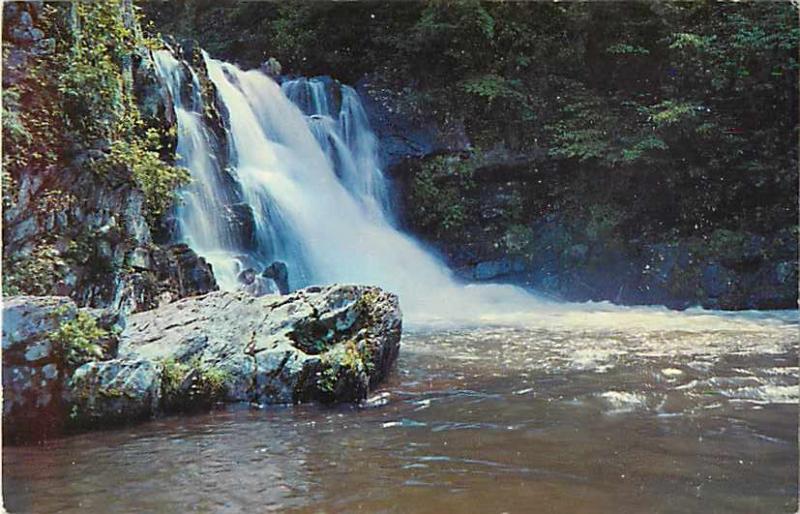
328, 344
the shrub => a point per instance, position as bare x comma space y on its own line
78, 339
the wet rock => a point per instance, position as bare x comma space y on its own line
241, 225
492, 269
279, 272
251, 283
271, 67
716, 280
183, 271
405, 130
246, 277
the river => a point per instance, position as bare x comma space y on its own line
487, 420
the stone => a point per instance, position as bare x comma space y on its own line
23, 32
183, 271
139, 258
288, 339
716, 280
241, 225
247, 276
271, 67
27, 320
113, 391
326, 344
492, 269
278, 272
32, 379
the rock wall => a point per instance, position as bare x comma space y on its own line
74, 231
520, 224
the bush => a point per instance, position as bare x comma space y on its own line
438, 195
78, 339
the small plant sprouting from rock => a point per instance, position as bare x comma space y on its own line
366, 304
78, 339
172, 375
185, 385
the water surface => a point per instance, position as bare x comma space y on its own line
482, 420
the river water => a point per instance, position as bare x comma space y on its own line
484, 420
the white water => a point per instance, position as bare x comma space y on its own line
309, 169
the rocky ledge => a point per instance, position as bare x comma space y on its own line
67, 368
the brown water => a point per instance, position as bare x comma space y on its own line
484, 421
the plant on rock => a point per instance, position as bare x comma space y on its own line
190, 385
345, 370
79, 339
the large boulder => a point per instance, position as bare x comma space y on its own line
317, 344
276, 349
33, 372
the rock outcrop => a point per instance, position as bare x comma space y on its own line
67, 229
33, 374
327, 344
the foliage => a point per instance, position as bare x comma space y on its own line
601, 222
78, 339
32, 125
100, 105
185, 385
686, 113
157, 180
350, 361
437, 194
75, 99
172, 375
34, 274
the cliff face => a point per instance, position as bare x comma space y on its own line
87, 132
524, 217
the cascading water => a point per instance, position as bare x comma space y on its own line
303, 172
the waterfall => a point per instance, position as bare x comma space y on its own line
300, 182
304, 171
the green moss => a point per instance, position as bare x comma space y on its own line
346, 363
97, 96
